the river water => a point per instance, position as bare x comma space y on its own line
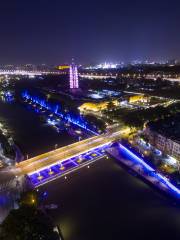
102, 202
31, 135
106, 202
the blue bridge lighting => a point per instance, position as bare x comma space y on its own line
50, 173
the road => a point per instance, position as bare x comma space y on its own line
68, 166
48, 159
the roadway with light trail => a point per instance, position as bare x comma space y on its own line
46, 160
49, 166
67, 166
137, 164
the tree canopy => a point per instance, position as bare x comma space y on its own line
27, 223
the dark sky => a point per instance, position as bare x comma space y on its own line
54, 31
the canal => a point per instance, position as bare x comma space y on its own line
106, 202
32, 135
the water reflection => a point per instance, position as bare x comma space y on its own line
30, 131
7, 202
105, 202
7, 96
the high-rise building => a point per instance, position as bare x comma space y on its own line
73, 77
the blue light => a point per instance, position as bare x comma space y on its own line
56, 109
44, 194
152, 171
137, 158
68, 164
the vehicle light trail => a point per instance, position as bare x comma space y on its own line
67, 166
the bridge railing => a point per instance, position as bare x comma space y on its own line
58, 150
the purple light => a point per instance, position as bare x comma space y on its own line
73, 77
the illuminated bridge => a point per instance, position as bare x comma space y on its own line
50, 165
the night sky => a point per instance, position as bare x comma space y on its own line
54, 31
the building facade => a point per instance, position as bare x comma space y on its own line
164, 143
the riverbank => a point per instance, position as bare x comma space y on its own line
5, 140
127, 157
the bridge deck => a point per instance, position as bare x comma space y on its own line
59, 155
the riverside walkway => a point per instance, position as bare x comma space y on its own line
127, 157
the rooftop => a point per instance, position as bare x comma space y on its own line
169, 127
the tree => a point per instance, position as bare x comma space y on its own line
27, 223
110, 106
132, 120
145, 138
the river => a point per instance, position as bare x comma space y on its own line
31, 135
106, 202
101, 202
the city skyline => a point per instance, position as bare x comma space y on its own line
52, 32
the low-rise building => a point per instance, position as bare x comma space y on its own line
165, 135
97, 106
137, 98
